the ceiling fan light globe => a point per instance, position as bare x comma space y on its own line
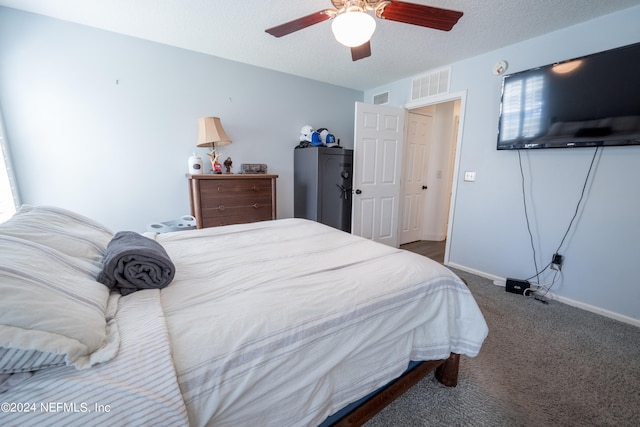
353, 29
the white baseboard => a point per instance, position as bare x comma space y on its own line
598, 310
553, 296
473, 271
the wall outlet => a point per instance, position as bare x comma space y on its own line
469, 176
556, 262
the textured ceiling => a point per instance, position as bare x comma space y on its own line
234, 29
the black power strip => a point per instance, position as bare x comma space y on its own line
516, 286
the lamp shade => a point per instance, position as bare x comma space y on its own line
353, 28
211, 133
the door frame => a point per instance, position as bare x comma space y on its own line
439, 99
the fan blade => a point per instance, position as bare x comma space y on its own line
300, 23
417, 14
360, 52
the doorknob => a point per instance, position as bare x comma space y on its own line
424, 187
358, 191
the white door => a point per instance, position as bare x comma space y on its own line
377, 170
414, 185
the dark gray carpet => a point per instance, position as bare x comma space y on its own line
541, 365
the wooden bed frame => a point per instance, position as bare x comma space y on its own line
446, 373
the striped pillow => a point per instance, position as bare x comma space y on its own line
18, 360
52, 311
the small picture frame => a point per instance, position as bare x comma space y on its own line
254, 168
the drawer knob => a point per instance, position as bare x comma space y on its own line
219, 188
254, 188
221, 208
255, 205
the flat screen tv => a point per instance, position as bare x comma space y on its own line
583, 102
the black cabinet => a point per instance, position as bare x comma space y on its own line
322, 185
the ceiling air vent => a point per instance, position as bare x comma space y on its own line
381, 98
434, 83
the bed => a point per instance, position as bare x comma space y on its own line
280, 322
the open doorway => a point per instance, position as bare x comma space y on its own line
428, 177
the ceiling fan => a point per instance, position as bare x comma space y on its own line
353, 26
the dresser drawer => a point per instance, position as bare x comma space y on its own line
232, 199
232, 189
237, 213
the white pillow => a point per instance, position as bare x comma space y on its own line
61, 229
52, 311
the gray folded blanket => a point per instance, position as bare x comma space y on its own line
133, 262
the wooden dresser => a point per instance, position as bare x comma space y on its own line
223, 199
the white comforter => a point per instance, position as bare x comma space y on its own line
285, 322
277, 323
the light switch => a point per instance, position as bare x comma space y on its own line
469, 176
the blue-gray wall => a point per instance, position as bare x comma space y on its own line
489, 229
118, 152
103, 124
